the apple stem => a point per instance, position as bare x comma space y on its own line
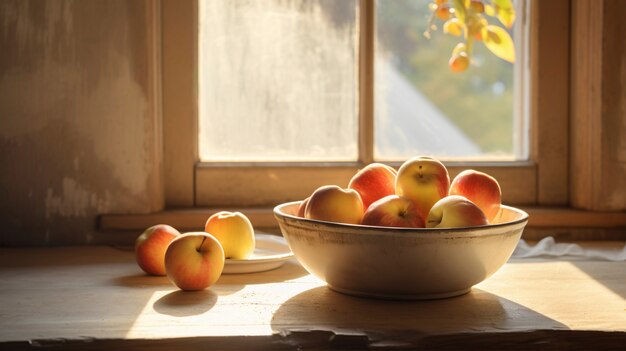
199, 247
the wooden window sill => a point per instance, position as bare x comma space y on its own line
566, 223
97, 298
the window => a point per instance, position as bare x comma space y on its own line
524, 167
278, 80
422, 107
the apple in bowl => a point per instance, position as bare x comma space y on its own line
455, 211
334, 204
424, 180
374, 182
393, 211
302, 207
480, 188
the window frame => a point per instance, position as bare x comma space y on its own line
542, 180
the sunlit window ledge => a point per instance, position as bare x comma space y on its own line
573, 224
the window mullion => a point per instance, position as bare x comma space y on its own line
366, 80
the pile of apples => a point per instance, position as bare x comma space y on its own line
195, 260
418, 195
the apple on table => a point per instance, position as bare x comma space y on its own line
194, 261
150, 248
234, 231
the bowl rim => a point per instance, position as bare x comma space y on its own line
280, 214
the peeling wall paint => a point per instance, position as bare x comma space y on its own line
79, 123
74, 200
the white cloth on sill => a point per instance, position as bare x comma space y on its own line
547, 247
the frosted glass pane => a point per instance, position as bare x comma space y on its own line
278, 80
421, 107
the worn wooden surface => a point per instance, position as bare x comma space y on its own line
96, 297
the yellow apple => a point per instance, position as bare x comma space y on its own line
455, 211
194, 261
481, 189
423, 180
234, 231
150, 248
334, 204
374, 182
393, 211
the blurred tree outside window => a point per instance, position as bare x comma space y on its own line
422, 106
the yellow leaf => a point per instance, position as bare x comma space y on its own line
453, 26
503, 4
499, 42
507, 17
505, 12
459, 9
489, 10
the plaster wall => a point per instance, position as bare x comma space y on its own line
79, 118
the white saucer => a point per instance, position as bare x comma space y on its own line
270, 252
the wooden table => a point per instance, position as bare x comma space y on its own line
97, 298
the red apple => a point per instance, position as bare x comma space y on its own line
150, 248
194, 261
455, 211
424, 181
334, 204
234, 231
302, 207
374, 182
480, 188
393, 211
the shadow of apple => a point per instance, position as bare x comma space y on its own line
141, 280
181, 303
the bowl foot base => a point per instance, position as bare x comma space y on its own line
425, 296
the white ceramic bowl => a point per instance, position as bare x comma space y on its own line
400, 263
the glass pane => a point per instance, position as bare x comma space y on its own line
424, 108
278, 80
